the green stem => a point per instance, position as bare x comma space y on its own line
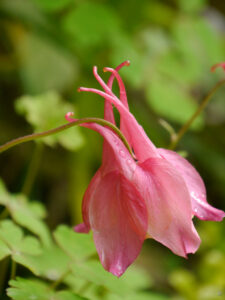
56, 283
13, 270
35, 136
187, 125
84, 288
32, 169
3, 272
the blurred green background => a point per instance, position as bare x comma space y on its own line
48, 48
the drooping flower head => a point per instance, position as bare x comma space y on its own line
152, 196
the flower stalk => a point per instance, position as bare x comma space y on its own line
34, 136
187, 125
13, 270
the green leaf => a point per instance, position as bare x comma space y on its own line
22, 248
24, 214
192, 5
159, 12
184, 70
27, 289
4, 250
21, 289
148, 296
194, 37
66, 295
93, 272
184, 281
125, 48
37, 209
91, 24
53, 6
10, 233
184, 63
210, 39
77, 246
27, 214
136, 279
171, 101
76, 284
157, 43
139, 296
52, 263
52, 68
47, 111
24, 10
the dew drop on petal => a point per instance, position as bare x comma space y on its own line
115, 140
122, 153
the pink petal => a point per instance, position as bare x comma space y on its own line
108, 105
119, 222
134, 133
169, 206
122, 159
108, 112
123, 98
195, 185
81, 228
144, 148
88, 196
123, 94
108, 156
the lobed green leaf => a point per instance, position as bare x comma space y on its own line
21, 248
47, 111
28, 289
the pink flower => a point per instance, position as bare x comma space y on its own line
154, 196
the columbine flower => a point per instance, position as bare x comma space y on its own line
153, 196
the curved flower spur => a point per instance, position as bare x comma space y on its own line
129, 200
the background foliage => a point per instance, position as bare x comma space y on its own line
48, 49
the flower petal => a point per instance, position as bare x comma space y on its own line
143, 147
195, 185
81, 228
123, 99
123, 160
118, 218
107, 155
123, 94
88, 196
134, 133
169, 206
108, 112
